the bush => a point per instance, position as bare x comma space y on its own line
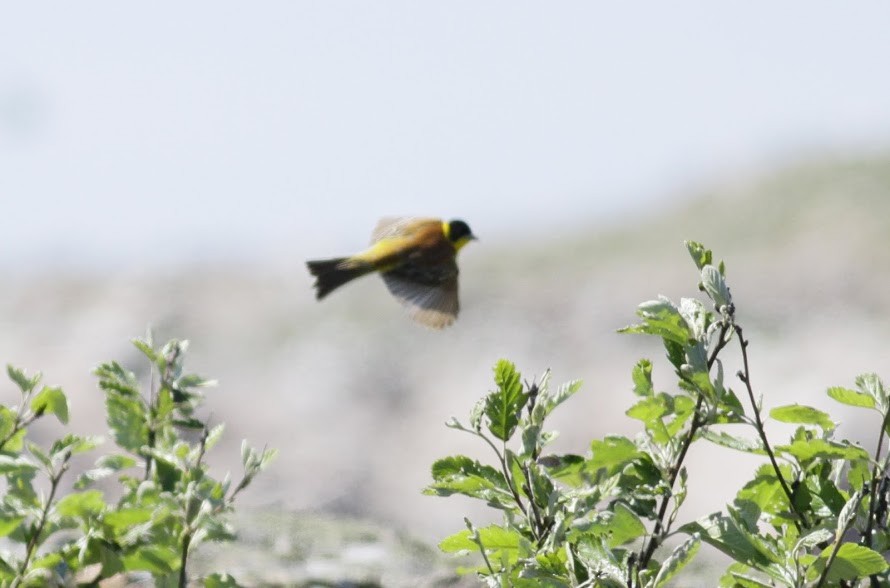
814, 513
166, 503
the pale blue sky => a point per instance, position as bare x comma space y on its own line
282, 130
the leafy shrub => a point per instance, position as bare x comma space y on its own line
166, 502
815, 513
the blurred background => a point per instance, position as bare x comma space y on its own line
174, 165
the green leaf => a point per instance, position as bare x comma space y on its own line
852, 561
214, 435
115, 462
114, 378
848, 513
729, 441
40, 455
740, 576
52, 401
807, 449
696, 316
683, 409
156, 559
9, 523
648, 410
715, 286
122, 520
462, 475
503, 406
105, 466
677, 560
568, 468
81, 504
859, 474
16, 442
220, 581
765, 491
14, 465
493, 537
531, 440
813, 539
8, 418
266, 457
75, 444
475, 417
800, 414
661, 318
612, 453
21, 380
825, 500
47, 561
700, 255
601, 561
194, 381
642, 378
730, 535
145, 347
563, 393
676, 353
127, 421
872, 385
851, 397
189, 423
651, 410
617, 527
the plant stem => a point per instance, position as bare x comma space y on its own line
877, 471
697, 422
20, 424
837, 545
659, 529
183, 575
21, 420
34, 540
541, 530
745, 377
722, 342
150, 410
877, 474
474, 537
506, 471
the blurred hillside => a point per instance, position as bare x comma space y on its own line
355, 396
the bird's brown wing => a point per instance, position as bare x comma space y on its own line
401, 226
430, 294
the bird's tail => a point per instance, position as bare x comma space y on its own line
330, 274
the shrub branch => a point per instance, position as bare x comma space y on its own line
745, 376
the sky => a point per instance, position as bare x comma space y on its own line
173, 133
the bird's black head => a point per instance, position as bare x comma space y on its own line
459, 233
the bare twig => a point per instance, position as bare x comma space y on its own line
745, 376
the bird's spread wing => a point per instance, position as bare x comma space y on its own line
395, 226
430, 301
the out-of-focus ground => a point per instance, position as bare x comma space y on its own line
354, 395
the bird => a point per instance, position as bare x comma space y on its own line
416, 257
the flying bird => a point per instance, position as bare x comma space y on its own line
416, 257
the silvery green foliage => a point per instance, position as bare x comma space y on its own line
814, 513
166, 502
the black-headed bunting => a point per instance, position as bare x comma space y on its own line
416, 257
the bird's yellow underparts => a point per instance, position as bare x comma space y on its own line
416, 257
